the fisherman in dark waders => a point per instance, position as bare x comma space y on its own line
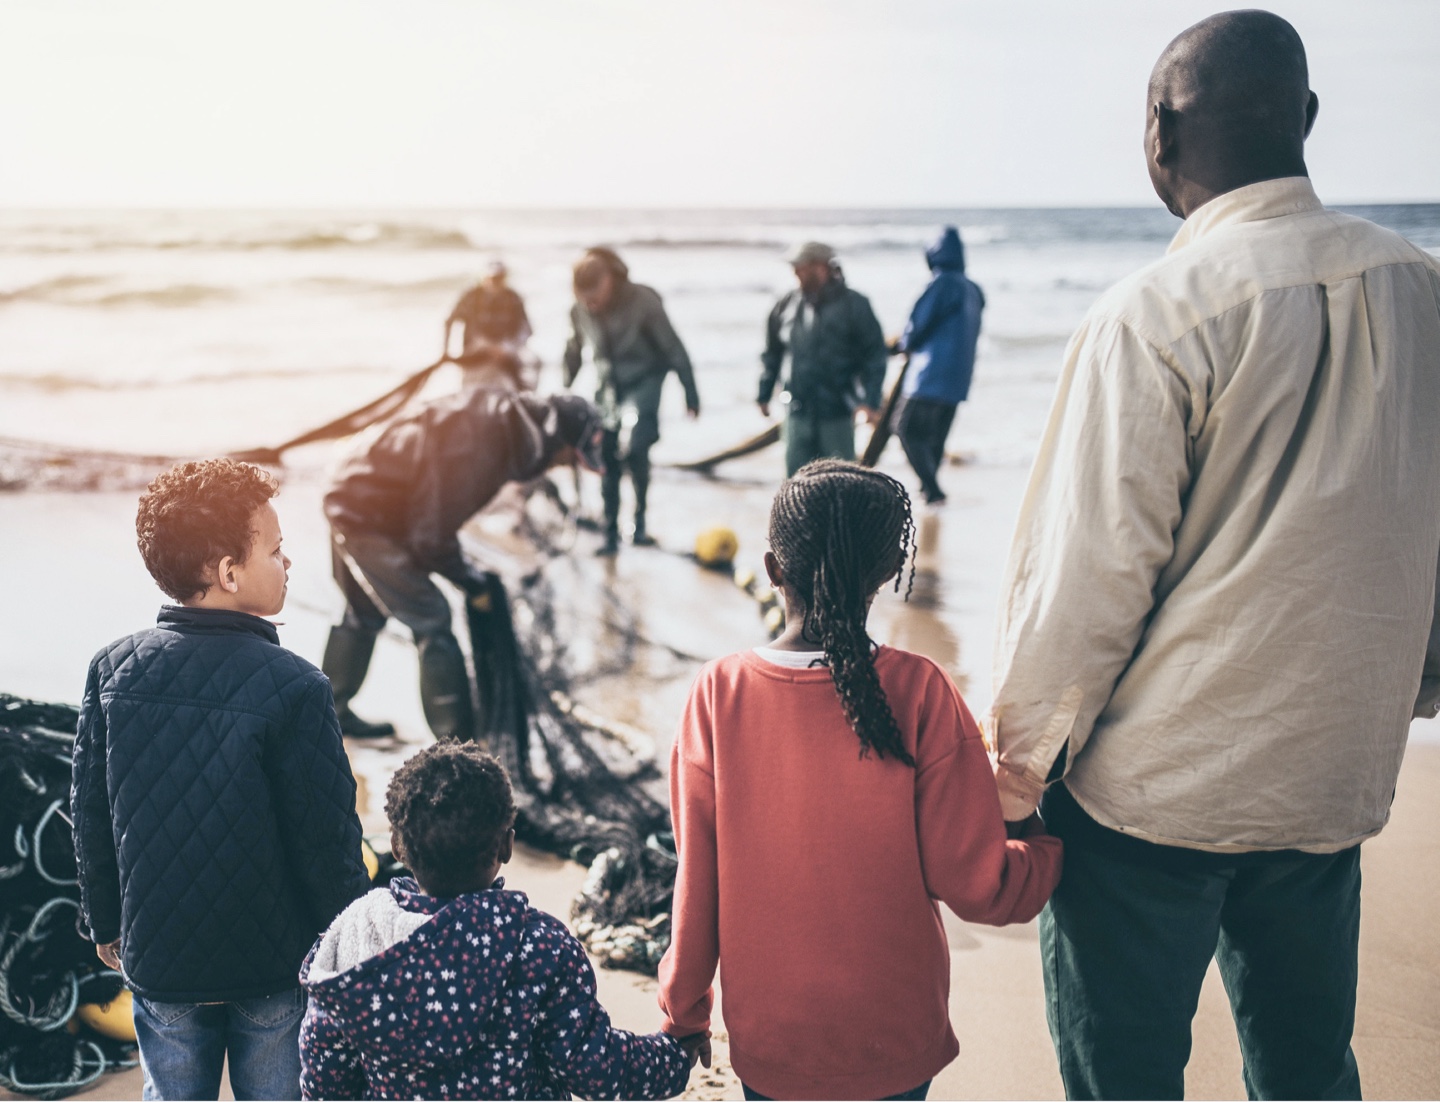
825, 338
634, 347
395, 510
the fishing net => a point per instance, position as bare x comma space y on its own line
46, 968
579, 782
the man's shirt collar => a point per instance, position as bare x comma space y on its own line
1251, 203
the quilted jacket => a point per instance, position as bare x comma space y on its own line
480, 996
214, 808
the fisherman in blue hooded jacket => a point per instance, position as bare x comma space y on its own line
940, 340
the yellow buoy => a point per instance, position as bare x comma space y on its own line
115, 1019
372, 862
716, 547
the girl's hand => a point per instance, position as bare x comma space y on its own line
1025, 827
697, 1047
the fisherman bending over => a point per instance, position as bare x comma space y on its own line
395, 509
635, 347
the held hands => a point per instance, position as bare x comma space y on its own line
1025, 827
109, 954
870, 413
697, 1047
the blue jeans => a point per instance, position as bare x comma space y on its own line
183, 1046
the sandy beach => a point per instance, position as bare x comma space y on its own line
75, 581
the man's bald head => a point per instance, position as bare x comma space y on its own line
1234, 95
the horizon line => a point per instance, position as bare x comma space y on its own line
557, 208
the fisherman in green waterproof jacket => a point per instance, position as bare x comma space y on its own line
832, 341
634, 347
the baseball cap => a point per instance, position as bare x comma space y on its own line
811, 252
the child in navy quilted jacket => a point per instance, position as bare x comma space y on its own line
451, 986
214, 808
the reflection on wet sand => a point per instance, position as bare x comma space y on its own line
919, 624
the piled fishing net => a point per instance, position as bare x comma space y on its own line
578, 782
582, 783
47, 969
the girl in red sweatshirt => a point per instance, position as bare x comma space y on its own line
826, 794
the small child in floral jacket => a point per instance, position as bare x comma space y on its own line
454, 987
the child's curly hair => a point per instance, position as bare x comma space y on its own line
194, 515
449, 806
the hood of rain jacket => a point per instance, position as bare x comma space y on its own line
947, 254
944, 326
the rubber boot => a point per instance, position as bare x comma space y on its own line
640, 480
610, 495
445, 689
346, 661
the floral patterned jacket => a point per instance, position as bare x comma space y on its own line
480, 996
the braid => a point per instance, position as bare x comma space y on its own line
841, 531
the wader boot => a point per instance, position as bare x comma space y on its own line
640, 481
445, 688
346, 660
610, 496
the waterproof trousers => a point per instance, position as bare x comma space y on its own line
808, 437
617, 461
381, 579
1128, 936
922, 425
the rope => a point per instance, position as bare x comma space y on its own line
46, 968
347, 424
59, 1008
78, 1077
39, 830
387, 405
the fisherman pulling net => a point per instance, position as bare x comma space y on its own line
47, 970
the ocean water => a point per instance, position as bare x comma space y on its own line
197, 332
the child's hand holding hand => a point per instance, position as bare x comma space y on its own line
1025, 827
697, 1047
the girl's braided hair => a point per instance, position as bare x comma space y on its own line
841, 531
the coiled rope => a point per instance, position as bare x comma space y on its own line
46, 968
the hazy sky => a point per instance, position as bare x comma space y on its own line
657, 102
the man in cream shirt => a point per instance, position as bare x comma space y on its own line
1220, 608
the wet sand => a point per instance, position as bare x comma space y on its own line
74, 581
